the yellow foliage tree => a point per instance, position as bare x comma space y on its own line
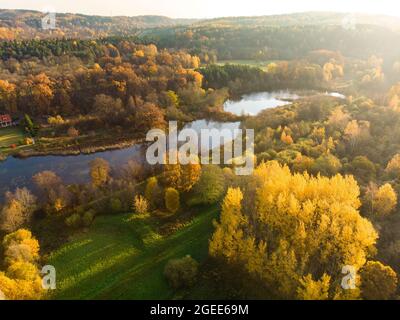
228, 235
140, 205
384, 200
20, 246
182, 177
21, 281
393, 97
303, 163
23, 271
99, 172
12, 216
172, 174
378, 282
16, 289
300, 225
190, 176
338, 119
310, 289
8, 97
151, 189
393, 165
286, 138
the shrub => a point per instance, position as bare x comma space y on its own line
73, 221
30, 127
327, 165
363, 168
210, 187
115, 205
55, 120
28, 141
72, 132
181, 273
151, 185
140, 205
172, 201
154, 193
88, 217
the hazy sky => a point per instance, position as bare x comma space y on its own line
204, 8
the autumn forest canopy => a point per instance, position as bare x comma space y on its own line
321, 203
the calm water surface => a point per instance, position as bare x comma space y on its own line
16, 172
252, 104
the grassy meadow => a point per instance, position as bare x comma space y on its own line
124, 258
252, 63
9, 136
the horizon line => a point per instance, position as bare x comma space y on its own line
210, 18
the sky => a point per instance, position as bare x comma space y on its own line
204, 8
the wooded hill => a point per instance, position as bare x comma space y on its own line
26, 24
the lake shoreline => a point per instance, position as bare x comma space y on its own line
225, 116
251, 104
77, 152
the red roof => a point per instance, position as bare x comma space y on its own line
5, 118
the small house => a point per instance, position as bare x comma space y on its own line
5, 121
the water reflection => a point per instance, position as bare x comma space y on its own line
252, 104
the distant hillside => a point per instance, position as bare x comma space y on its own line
286, 36
26, 24
304, 19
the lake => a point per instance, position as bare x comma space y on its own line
252, 104
18, 172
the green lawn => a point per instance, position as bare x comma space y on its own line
253, 63
9, 136
120, 259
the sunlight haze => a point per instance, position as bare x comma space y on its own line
204, 8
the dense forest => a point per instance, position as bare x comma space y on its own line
96, 85
27, 24
323, 195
